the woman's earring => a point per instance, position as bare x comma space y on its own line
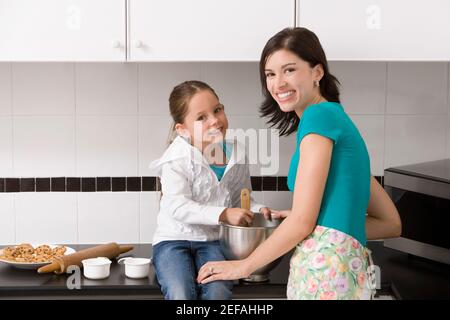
317, 83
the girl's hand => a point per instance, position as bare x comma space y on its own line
237, 217
277, 214
266, 212
222, 270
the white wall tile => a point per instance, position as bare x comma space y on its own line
156, 81
6, 151
107, 145
258, 196
363, 86
278, 200
106, 88
5, 89
417, 88
148, 215
153, 137
414, 139
44, 146
108, 217
43, 88
7, 216
46, 217
237, 85
371, 128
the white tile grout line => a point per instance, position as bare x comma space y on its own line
138, 149
77, 205
12, 148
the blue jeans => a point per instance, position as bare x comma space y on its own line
177, 263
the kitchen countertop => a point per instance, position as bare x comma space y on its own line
18, 283
401, 276
434, 170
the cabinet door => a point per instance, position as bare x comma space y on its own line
62, 30
205, 30
379, 29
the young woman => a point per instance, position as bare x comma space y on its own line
329, 176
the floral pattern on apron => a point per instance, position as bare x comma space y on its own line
330, 265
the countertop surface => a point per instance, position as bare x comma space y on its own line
17, 283
402, 276
435, 170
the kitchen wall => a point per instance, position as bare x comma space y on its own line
111, 120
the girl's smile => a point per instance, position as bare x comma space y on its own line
205, 121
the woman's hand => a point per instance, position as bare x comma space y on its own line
275, 214
222, 270
266, 212
237, 217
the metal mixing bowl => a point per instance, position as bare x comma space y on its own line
239, 242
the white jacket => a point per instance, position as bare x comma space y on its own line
192, 197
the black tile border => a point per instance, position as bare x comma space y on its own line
134, 184
87, 184
58, 184
380, 179
282, 184
256, 183
103, 184
73, 184
269, 183
27, 185
12, 185
42, 184
149, 184
120, 184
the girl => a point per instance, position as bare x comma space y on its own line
201, 180
329, 175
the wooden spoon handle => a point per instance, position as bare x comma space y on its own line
245, 199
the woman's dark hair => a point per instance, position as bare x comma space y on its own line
305, 44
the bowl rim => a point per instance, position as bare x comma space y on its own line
248, 228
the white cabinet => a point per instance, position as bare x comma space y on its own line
204, 30
62, 30
403, 30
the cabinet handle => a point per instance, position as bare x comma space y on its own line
139, 44
116, 44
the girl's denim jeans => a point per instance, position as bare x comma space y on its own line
177, 263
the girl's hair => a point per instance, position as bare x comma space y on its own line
179, 101
305, 44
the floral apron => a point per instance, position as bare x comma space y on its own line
330, 265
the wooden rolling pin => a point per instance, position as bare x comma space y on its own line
245, 199
60, 264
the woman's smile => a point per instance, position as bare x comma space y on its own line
285, 96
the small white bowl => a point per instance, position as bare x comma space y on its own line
136, 268
96, 268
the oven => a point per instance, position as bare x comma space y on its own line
421, 193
